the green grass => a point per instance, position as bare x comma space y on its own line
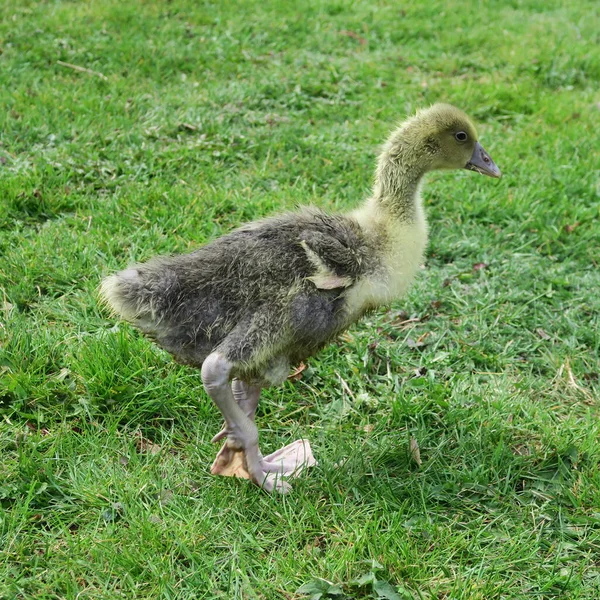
211, 114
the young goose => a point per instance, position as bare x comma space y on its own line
251, 303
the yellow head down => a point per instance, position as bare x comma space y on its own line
450, 139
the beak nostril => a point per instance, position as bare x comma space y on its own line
482, 162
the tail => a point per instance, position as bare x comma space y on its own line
144, 294
151, 297
124, 294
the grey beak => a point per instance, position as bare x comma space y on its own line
482, 162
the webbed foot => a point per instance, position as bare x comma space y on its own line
291, 459
231, 461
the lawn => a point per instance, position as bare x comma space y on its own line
134, 128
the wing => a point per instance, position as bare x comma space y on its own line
337, 253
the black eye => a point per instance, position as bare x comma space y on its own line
460, 136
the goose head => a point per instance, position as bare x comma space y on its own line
439, 137
449, 140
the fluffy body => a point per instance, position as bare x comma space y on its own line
271, 293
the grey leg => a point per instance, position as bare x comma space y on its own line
284, 463
246, 395
242, 435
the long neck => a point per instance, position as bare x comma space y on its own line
400, 169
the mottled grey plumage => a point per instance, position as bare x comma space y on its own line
275, 291
248, 294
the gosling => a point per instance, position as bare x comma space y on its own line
250, 304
